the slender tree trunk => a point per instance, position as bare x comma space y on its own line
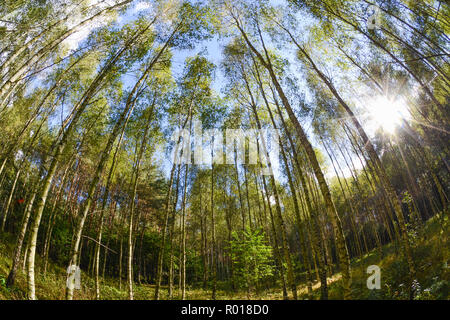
20, 238
241, 205
59, 147
8, 203
340, 238
131, 102
6, 90
276, 246
213, 233
159, 271
171, 234
2, 166
293, 195
284, 242
103, 208
120, 261
183, 236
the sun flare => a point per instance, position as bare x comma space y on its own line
386, 113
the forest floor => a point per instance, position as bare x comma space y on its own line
430, 249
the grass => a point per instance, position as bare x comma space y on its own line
430, 251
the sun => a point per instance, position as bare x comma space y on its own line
386, 113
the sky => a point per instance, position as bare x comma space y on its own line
211, 48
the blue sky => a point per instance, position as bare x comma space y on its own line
212, 49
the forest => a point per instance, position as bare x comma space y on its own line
224, 149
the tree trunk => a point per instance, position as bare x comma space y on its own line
340, 239
20, 239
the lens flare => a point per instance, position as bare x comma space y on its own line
387, 114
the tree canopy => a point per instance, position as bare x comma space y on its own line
117, 155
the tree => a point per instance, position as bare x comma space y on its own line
252, 258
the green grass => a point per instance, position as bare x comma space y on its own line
430, 253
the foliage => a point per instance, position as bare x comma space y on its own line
252, 258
